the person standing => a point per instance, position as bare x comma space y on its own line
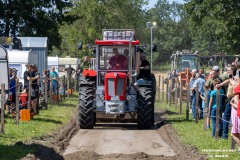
193, 93
54, 80
213, 107
200, 84
70, 71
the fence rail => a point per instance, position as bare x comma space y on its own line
48, 94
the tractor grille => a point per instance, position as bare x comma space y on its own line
118, 88
111, 87
120, 83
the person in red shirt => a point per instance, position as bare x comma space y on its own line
118, 61
23, 99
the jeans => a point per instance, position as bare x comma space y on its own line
226, 117
54, 87
193, 106
200, 114
213, 115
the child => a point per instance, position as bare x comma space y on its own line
61, 91
23, 99
213, 106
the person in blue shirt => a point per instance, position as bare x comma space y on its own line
54, 79
199, 82
213, 107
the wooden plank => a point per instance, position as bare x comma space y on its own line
159, 86
17, 100
2, 107
29, 94
205, 109
162, 89
217, 114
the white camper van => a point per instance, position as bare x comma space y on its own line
53, 62
64, 62
4, 74
18, 59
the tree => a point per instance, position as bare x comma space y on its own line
92, 16
172, 33
218, 22
32, 18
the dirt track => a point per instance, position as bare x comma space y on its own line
53, 148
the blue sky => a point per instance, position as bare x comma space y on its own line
153, 2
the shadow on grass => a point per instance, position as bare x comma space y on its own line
66, 104
20, 150
47, 120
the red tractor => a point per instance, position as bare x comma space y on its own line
112, 88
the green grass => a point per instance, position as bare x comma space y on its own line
45, 123
194, 134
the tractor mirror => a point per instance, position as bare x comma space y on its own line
154, 48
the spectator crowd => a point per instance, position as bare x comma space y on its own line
228, 84
36, 87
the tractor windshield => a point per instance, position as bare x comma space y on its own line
115, 58
187, 61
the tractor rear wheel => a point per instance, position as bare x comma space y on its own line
87, 116
144, 111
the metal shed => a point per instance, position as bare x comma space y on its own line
39, 45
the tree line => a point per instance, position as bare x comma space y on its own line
207, 26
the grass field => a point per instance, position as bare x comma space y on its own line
45, 123
194, 134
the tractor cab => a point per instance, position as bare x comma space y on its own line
113, 89
183, 60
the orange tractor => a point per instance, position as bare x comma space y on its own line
181, 67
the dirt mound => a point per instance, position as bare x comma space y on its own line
52, 147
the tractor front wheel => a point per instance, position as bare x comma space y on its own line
144, 111
86, 107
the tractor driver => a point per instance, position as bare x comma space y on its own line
117, 61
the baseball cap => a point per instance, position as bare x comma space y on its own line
215, 68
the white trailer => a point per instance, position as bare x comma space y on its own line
4, 74
19, 60
65, 62
53, 62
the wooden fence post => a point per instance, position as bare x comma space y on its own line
46, 92
176, 91
162, 89
180, 97
170, 93
205, 109
51, 92
197, 104
159, 86
233, 143
217, 114
167, 92
64, 92
29, 94
188, 103
57, 91
17, 100
2, 107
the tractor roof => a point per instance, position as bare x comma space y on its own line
116, 42
117, 37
